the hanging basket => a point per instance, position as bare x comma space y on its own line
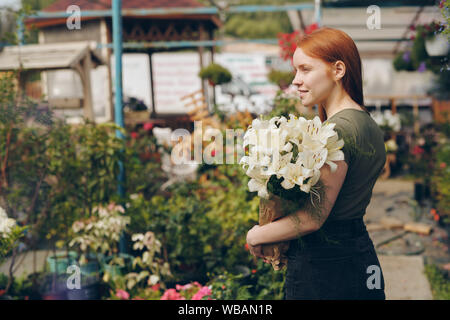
437, 46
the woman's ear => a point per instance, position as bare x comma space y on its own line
339, 70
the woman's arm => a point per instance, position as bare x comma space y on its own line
301, 222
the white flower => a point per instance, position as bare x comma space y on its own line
6, 224
3, 214
271, 152
335, 153
153, 280
391, 145
387, 119
162, 135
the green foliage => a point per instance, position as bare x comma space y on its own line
7, 244
283, 106
215, 73
440, 181
445, 11
402, 62
22, 288
418, 52
258, 25
281, 78
260, 283
440, 283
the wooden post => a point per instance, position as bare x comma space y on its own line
393, 105
83, 68
416, 115
152, 86
87, 88
200, 53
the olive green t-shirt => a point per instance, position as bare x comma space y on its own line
365, 154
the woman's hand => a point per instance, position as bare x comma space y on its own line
255, 250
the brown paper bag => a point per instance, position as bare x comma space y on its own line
270, 210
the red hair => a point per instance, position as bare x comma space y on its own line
331, 45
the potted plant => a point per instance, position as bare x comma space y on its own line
97, 237
436, 43
215, 74
281, 78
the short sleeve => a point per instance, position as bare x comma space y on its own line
345, 131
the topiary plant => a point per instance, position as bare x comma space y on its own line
215, 74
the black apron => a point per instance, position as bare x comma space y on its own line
337, 262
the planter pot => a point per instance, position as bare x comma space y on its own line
54, 287
421, 191
92, 267
438, 46
90, 290
58, 263
441, 110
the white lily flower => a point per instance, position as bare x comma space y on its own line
271, 143
335, 153
320, 132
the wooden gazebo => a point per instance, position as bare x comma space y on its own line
141, 28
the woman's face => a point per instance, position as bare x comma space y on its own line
313, 78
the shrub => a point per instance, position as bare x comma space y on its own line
216, 74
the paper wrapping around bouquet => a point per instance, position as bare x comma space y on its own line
270, 210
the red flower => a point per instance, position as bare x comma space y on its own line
441, 4
134, 135
2, 292
253, 271
412, 27
156, 287
246, 246
417, 150
309, 29
442, 165
148, 126
213, 153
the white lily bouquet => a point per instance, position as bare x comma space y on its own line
283, 161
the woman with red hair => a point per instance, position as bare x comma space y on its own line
335, 257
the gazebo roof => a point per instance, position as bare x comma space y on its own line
47, 56
99, 5
62, 5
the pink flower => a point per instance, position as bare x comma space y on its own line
138, 298
172, 294
148, 126
122, 294
213, 153
185, 287
205, 291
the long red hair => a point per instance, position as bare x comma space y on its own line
331, 45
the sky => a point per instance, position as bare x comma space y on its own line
15, 4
